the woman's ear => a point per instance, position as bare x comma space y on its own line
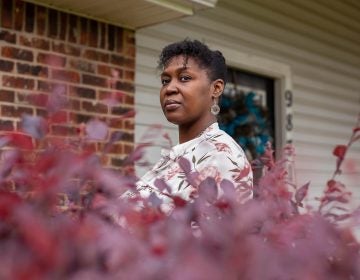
218, 86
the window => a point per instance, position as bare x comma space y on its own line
248, 112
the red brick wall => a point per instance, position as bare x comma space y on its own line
44, 52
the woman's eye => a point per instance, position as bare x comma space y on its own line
165, 81
185, 78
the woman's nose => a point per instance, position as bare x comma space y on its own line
172, 87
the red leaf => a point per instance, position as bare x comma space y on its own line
340, 151
178, 201
21, 141
244, 172
8, 202
59, 117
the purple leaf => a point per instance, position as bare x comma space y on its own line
208, 189
228, 188
154, 200
184, 165
161, 185
96, 130
301, 193
34, 126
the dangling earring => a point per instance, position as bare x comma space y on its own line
215, 109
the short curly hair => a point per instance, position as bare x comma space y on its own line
212, 61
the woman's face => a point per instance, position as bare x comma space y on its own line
187, 93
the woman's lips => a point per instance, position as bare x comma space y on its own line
171, 105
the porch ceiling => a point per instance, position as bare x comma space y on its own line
132, 14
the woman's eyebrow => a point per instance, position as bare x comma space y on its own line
177, 70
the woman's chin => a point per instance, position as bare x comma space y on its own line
172, 118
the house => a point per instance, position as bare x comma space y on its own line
309, 49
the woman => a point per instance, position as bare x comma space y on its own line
193, 78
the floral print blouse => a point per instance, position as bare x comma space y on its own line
212, 154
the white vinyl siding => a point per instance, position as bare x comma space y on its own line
318, 40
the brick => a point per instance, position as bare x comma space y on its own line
83, 92
81, 118
102, 35
51, 59
129, 100
19, 15
130, 51
73, 29
117, 162
6, 66
52, 23
41, 112
94, 108
15, 111
94, 80
128, 137
34, 70
111, 37
65, 49
74, 104
129, 37
65, 75
93, 36
129, 124
40, 44
16, 53
24, 41
129, 63
129, 87
106, 70
29, 17
129, 75
82, 65
7, 125
6, 13
16, 82
7, 36
128, 149
116, 123
96, 55
113, 149
59, 117
117, 59
46, 86
63, 130
84, 32
7, 96
40, 20
63, 26
119, 110
122, 61
91, 147
22, 97
35, 99
119, 39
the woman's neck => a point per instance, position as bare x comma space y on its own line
187, 133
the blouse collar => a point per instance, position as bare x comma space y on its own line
181, 148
